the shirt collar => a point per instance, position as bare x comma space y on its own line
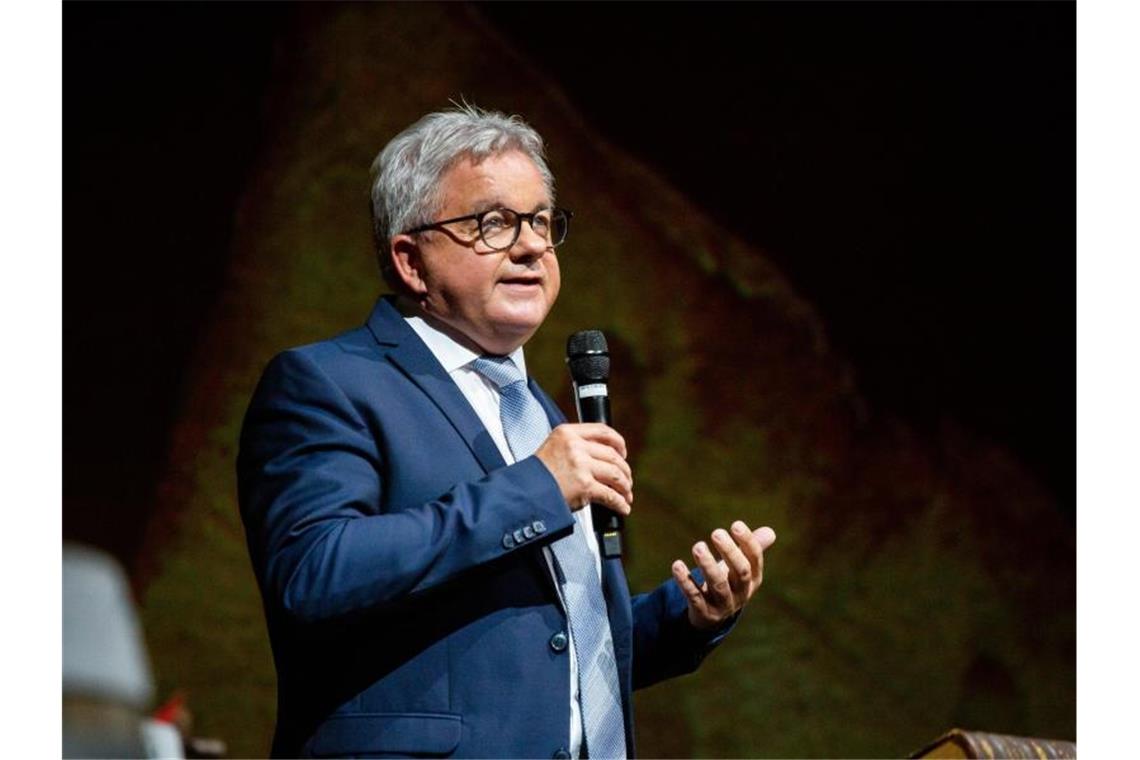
451, 354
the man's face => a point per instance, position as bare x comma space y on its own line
496, 299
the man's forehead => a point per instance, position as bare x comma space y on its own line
496, 180
491, 165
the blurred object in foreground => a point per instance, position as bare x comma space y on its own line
957, 743
175, 712
203, 747
107, 683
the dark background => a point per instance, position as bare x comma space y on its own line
910, 167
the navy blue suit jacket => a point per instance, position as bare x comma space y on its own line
406, 615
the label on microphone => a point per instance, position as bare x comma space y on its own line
611, 544
593, 389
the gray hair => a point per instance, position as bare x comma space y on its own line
407, 173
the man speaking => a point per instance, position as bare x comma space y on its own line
413, 502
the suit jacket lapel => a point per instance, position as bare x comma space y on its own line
418, 363
553, 413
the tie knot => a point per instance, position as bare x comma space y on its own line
500, 370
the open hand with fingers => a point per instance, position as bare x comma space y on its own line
730, 581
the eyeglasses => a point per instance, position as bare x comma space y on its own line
499, 228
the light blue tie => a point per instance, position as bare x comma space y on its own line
526, 427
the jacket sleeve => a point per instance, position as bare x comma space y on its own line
310, 489
665, 644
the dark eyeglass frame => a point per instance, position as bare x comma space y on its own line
520, 217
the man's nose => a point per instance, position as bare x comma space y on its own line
530, 244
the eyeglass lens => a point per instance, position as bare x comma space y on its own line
500, 228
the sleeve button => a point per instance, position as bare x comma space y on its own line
528, 532
508, 541
539, 526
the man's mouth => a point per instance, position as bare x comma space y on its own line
522, 279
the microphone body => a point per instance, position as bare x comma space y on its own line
588, 357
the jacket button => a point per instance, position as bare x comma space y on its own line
561, 754
539, 526
558, 643
519, 538
528, 532
508, 541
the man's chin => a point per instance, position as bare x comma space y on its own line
510, 332
520, 315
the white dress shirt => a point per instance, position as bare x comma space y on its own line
483, 395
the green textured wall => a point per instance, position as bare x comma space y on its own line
917, 583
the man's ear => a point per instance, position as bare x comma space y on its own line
408, 263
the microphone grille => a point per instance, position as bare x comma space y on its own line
588, 357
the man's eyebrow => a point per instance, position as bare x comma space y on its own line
486, 204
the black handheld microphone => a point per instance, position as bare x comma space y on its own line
589, 360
